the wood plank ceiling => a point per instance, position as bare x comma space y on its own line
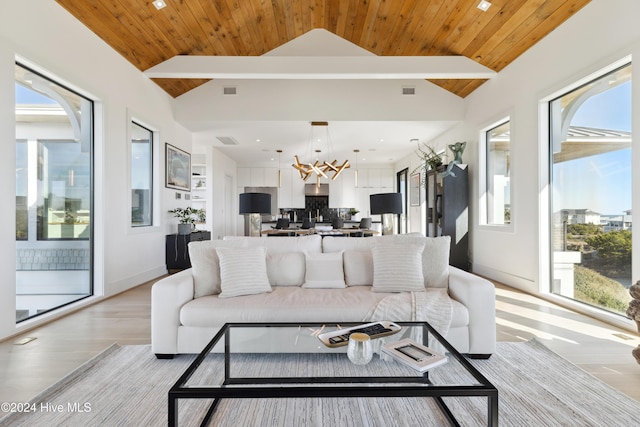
146, 36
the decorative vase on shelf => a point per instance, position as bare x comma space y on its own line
184, 228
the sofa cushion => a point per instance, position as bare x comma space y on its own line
283, 304
337, 244
286, 268
205, 265
243, 271
283, 244
358, 267
397, 268
293, 303
324, 270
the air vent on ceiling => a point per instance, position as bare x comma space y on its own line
408, 90
230, 90
228, 140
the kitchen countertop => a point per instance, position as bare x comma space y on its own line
346, 221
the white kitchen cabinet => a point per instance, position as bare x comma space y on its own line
348, 188
244, 178
291, 191
285, 190
297, 190
270, 177
257, 177
373, 178
387, 179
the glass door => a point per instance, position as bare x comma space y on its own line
54, 194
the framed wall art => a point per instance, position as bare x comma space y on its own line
415, 193
177, 168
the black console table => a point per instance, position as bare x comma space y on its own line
177, 254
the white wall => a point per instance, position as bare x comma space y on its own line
333, 100
598, 35
223, 166
50, 39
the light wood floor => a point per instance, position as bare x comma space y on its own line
63, 345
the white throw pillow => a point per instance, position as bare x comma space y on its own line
205, 266
243, 271
435, 262
358, 268
397, 268
435, 258
285, 269
324, 270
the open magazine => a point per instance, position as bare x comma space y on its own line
414, 355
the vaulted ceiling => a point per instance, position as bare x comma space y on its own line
146, 36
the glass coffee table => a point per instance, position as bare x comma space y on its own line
287, 360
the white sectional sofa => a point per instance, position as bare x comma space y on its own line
315, 279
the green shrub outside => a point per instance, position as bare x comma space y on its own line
593, 288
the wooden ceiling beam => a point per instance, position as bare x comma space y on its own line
320, 67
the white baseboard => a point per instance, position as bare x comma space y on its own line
122, 285
518, 282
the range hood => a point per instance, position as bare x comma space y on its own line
316, 190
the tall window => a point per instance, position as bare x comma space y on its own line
22, 188
402, 178
498, 167
590, 150
54, 194
141, 176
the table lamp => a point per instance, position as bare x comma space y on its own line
387, 205
254, 205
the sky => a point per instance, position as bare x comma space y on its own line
601, 183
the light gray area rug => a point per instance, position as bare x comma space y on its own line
127, 386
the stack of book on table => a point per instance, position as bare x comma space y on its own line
414, 355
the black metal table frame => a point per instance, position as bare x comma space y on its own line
179, 391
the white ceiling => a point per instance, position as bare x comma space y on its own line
379, 142
379, 123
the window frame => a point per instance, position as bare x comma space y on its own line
91, 125
483, 214
152, 174
547, 277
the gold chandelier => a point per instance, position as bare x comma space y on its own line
320, 169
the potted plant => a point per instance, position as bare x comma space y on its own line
429, 156
187, 217
353, 212
430, 160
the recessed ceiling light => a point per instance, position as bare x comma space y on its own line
257, 140
484, 5
159, 4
